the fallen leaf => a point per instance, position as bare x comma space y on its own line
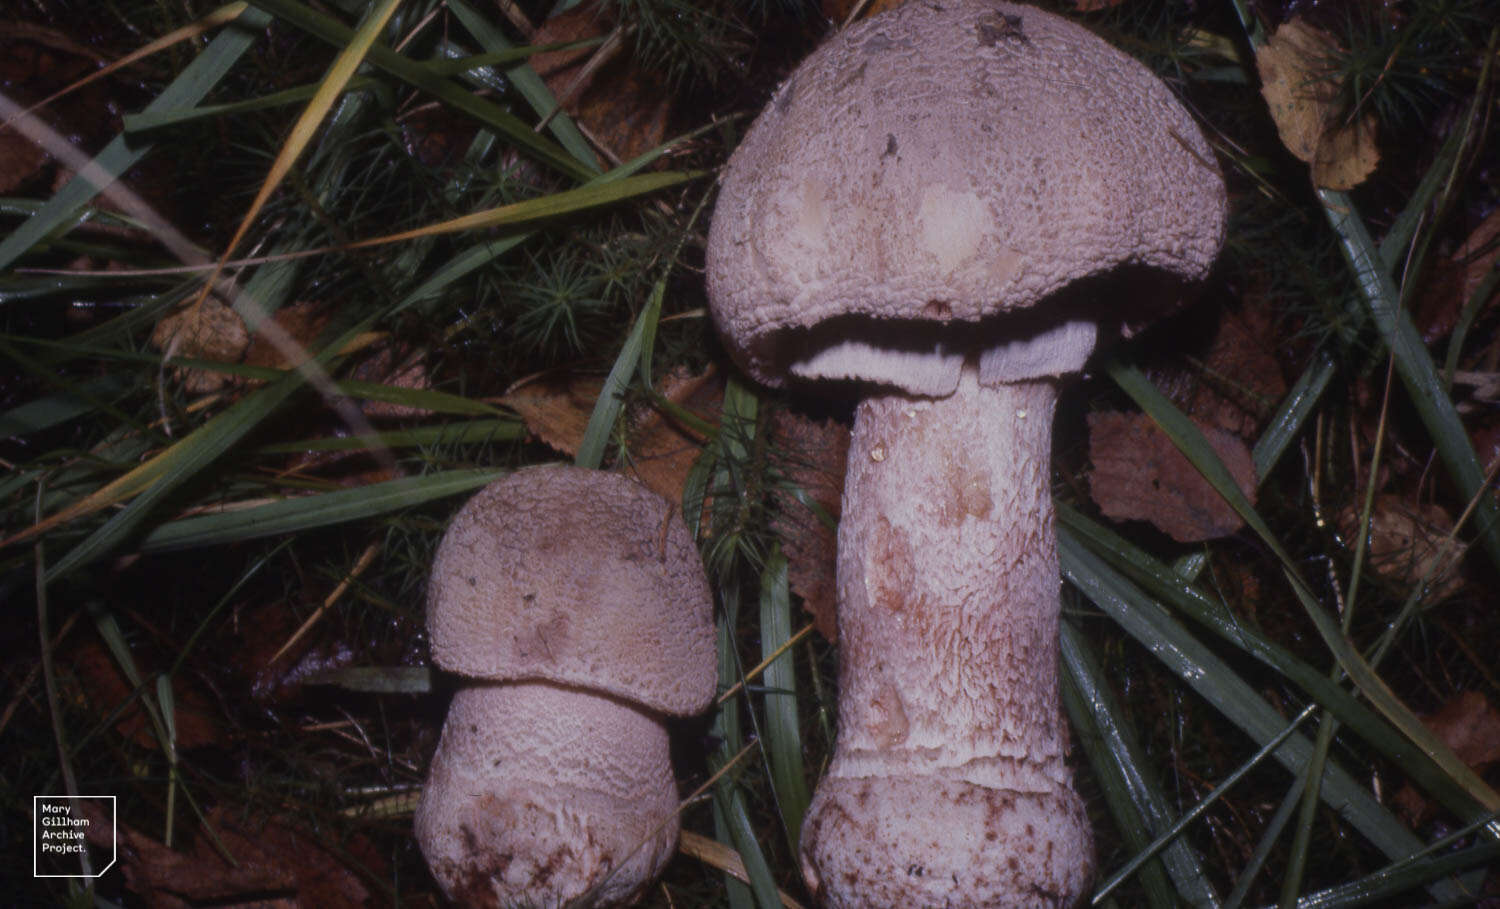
436, 136
621, 106
1301, 91
1470, 725
663, 450
813, 459
20, 161
274, 865
556, 409
1457, 279
110, 692
1238, 382
300, 323
210, 330
1138, 474
1486, 440
1408, 543
386, 368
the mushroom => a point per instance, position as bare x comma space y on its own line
949, 202
579, 598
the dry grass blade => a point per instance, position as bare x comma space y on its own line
307, 124
712, 852
226, 13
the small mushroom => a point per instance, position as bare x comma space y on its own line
579, 598
950, 202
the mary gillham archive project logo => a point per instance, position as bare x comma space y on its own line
64, 828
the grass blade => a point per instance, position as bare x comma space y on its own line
1159, 581
1237, 700
1415, 367
420, 76
1117, 760
308, 512
529, 84
611, 402
1189, 440
782, 728
200, 76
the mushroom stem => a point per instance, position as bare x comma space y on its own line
949, 762
540, 793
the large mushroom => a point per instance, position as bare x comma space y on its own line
949, 202
579, 598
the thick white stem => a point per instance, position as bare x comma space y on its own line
948, 786
539, 793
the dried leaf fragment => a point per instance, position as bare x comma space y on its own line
1238, 382
623, 106
556, 409
1458, 278
1408, 544
210, 330
1470, 725
1301, 92
275, 865
814, 460
1139, 474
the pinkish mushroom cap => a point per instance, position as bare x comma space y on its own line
948, 163
578, 577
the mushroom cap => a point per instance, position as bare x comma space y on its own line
538, 793
578, 577
953, 162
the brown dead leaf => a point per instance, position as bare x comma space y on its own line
209, 331
212, 330
556, 409
1301, 92
1470, 725
1456, 280
20, 161
619, 105
816, 454
662, 450
1407, 543
274, 865
1486, 439
386, 368
1139, 474
301, 322
838, 11
107, 689
1239, 380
